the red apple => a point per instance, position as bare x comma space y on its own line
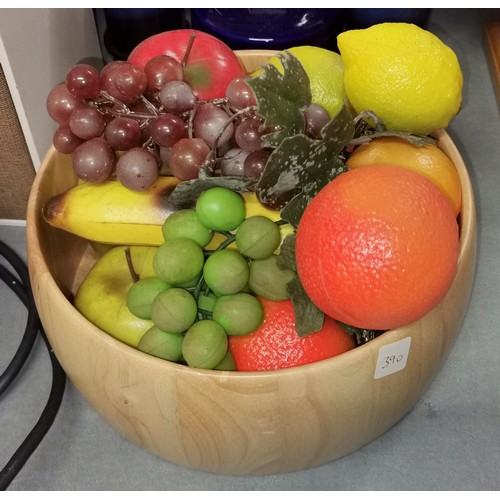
210, 65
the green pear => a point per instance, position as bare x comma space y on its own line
102, 296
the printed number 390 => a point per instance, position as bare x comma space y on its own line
392, 358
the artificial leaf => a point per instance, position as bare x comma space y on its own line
417, 140
301, 166
186, 193
286, 258
281, 98
338, 132
293, 210
308, 318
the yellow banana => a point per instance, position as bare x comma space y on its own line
111, 214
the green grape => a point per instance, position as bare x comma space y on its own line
162, 344
268, 280
142, 293
227, 363
205, 344
174, 310
179, 261
238, 314
186, 224
191, 283
220, 209
226, 272
188, 284
258, 237
207, 302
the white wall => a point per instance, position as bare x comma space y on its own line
37, 47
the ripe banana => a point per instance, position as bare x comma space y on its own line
109, 213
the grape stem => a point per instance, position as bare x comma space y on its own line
211, 158
119, 108
230, 237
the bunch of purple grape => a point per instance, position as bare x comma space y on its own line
138, 124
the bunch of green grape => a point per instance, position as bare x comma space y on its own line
198, 296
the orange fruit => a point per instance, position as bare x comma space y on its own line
276, 344
377, 247
428, 160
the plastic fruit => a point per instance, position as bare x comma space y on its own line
406, 75
205, 344
268, 280
162, 344
428, 160
186, 224
101, 298
174, 310
179, 260
377, 247
276, 344
325, 70
220, 209
226, 272
142, 293
211, 64
238, 314
112, 214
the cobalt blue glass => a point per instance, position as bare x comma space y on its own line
276, 29
363, 18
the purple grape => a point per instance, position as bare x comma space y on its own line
61, 103
123, 133
232, 163
94, 160
255, 163
177, 97
316, 118
162, 69
187, 157
123, 81
167, 129
83, 81
137, 169
65, 141
239, 93
247, 134
211, 124
87, 123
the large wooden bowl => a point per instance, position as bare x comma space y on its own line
228, 422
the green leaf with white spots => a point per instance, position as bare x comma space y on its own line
281, 98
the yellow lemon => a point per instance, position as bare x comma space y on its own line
325, 70
428, 160
406, 75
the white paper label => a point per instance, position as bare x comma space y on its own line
392, 358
